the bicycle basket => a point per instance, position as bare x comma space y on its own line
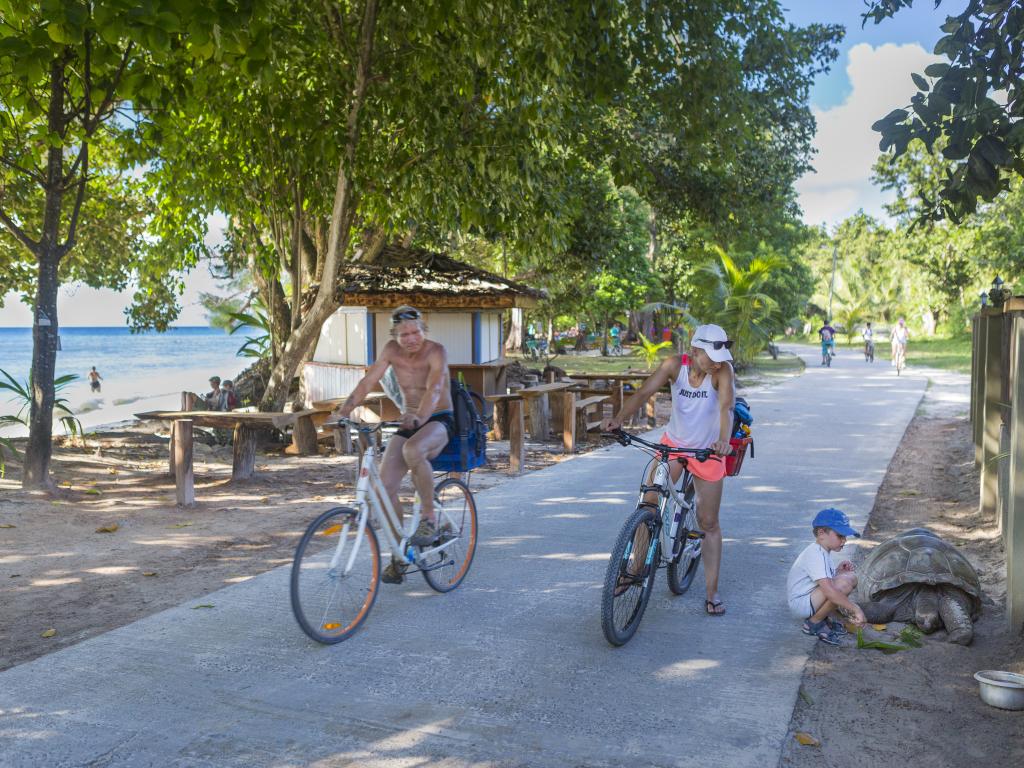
734, 462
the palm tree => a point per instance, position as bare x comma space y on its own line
745, 312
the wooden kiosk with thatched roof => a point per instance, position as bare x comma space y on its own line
462, 306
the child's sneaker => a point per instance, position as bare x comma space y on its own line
820, 630
836, 627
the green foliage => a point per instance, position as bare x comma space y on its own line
21, 395
740, 305
256, 319
650, 351
969, 107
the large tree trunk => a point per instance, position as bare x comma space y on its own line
514, 340
45, 328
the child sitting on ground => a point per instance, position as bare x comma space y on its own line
817, 590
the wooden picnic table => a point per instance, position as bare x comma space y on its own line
538, 406
245, 427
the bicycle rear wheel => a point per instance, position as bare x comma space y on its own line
330, 600
445, 569
687, 542
631, 574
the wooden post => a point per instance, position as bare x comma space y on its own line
992, 417
539, 424
978, 348
568, 400
244, 460
1013, 533
516, 443
304, 436
618, 395
555, 401
170, 451
184, 485
500, 427
343, 439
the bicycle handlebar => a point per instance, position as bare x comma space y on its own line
362, 426
624, 438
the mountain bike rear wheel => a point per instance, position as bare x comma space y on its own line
330, 602
630, 573
687, 542
456, 518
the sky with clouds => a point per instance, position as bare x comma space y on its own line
870, 78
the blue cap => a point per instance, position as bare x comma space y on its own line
836, 520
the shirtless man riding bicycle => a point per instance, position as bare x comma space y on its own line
421, 370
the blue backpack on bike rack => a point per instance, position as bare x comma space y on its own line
468, 447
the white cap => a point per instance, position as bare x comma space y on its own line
705, 336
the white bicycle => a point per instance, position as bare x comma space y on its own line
336, 573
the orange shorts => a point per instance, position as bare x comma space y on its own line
711, 470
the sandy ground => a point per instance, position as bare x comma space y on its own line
918, 707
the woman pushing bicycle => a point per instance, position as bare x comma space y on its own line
703, 396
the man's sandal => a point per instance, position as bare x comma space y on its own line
836, 627
625, 582
714, 608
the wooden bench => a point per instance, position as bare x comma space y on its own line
245, 428
580, 416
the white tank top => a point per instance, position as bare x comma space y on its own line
695, 421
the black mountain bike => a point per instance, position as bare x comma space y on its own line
662, 535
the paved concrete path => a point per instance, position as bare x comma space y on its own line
511, 669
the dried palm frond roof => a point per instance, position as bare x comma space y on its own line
426, 280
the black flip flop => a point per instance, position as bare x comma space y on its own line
710, 607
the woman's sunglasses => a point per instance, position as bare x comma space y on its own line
718, 344
408, 314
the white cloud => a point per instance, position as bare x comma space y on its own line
846, 146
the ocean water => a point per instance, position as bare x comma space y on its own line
141, 372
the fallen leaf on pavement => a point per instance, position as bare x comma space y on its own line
108, 528
182, 525
149, 573
93, 491
806, 697
7, 525
264, 500
202, 605
806, 739
339, 486
879, 627
49, 633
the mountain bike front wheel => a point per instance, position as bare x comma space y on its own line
687, 543
629, 579
455, 509
335, 576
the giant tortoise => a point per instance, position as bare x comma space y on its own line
917, 577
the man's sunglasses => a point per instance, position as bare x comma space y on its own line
407, 314
718, 344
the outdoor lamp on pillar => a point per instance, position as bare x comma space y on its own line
984, 299
999, 293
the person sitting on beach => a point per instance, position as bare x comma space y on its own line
421, 370
94, 379
215, 399
816, 589
230, 396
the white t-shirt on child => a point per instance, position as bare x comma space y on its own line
814, 563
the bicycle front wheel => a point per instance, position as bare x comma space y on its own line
335, 576
445, 569
687, 543
630, 576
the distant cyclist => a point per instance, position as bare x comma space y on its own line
827, 334
898, 339
869, 343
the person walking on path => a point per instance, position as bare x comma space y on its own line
94, 379
703, 397
421, 369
